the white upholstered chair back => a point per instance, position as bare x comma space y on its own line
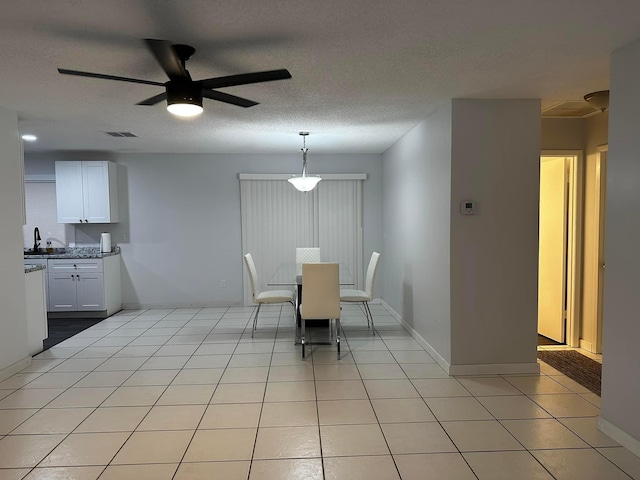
320, 291
371, 274
308, 255
253, 274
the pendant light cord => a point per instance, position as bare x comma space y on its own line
304, 151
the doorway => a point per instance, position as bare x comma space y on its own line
560, 237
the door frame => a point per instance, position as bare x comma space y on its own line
601, 261
575, 165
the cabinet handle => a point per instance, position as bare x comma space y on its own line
72, 276
86, 221
78, 277
80, 220
74, 266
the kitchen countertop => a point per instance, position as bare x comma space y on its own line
74, 252
33, 268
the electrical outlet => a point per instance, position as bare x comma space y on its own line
123, 238
223, 284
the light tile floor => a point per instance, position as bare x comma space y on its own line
188, 394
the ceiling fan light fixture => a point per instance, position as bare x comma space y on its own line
304, 183
184, 99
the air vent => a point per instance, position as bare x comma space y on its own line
570, 109
121, 134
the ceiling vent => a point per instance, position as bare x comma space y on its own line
570, 109
121, 134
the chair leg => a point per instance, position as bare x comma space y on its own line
302, 331
255, 320
366, 314
338, 336
373, 327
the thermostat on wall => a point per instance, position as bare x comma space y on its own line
468, 207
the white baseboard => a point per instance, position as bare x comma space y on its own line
143, 306
623, 438
588, 346
471, 370
418, 338
15, 368
495, 369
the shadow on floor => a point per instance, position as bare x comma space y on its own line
542, 340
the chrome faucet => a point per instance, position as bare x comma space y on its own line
36, 237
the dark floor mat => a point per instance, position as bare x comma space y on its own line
62, 328
585, 371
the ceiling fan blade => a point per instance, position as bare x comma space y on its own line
167, 58
153, 100
107, 77
226, 98
246, 78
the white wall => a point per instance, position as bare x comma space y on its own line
13, 321
563, 133
621, 354
416, 213
41, 212
495, 161
180, 219
467, 284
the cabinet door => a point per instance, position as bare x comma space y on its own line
90, 288
95, 178
62, 292
69, 192
74, 265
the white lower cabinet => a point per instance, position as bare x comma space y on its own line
76, 291
36, 308
91, 285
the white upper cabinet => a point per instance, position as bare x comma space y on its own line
86, 192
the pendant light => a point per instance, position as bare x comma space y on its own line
304, 183
599, 100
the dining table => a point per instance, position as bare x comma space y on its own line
289, 274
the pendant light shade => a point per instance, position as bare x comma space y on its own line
304, 183
599, 100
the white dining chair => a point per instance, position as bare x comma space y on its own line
266, 297
307, 255
320, 298
366, 295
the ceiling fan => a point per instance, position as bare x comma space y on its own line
184, 95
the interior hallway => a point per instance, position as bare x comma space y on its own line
187, 393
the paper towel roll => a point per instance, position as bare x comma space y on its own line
105, 243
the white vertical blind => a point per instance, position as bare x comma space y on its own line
276, 219
340, 224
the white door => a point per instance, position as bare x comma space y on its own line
90, 288
69, 192
553, 248
62, 292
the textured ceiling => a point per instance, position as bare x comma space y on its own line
364, 72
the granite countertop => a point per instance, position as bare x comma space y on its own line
33, 268
72, 252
